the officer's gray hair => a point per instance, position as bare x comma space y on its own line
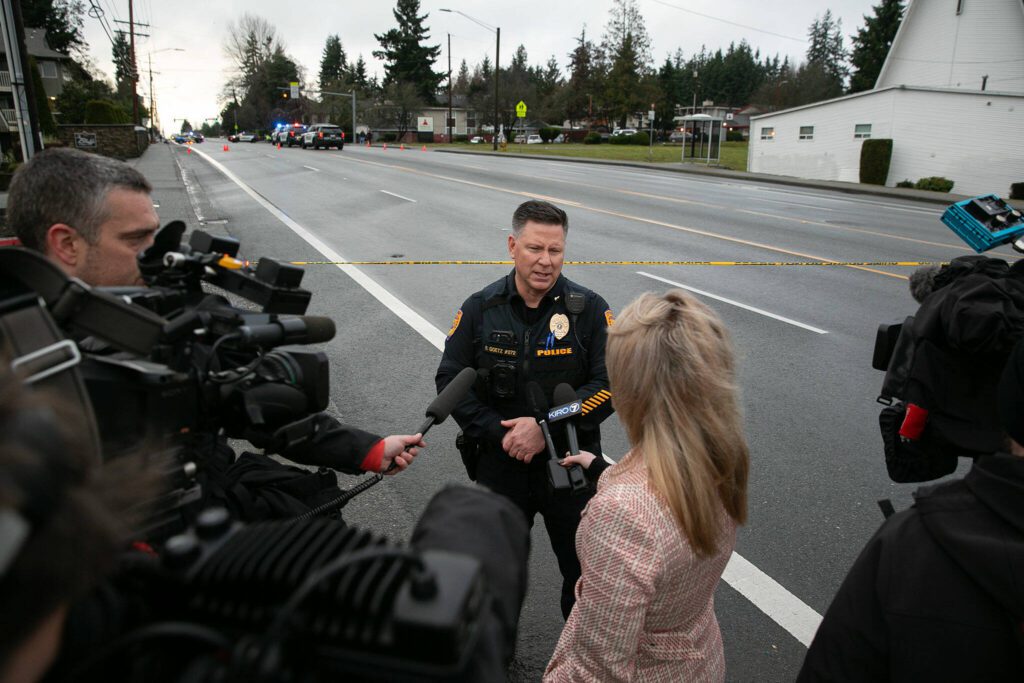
66, 186
541, 212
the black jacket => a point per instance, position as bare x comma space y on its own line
530, 352
938, 593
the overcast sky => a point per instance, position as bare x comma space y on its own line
188, 83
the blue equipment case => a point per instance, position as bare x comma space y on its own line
984, 222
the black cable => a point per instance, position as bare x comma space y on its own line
340, 501
165, 629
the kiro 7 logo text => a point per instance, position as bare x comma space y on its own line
562, 412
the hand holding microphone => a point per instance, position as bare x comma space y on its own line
404, 448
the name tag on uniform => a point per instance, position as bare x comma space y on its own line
497, 350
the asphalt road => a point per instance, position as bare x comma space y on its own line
804, 334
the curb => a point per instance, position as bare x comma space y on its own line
850, 188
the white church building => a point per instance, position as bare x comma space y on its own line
950, 96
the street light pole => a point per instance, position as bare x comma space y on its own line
497, 69
448, 123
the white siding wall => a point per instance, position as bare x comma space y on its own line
974, 139
936, 47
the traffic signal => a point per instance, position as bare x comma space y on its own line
284, 95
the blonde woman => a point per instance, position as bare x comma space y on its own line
656, 537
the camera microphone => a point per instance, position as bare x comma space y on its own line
302, 329
569, 407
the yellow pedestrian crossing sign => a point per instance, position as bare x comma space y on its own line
521, 110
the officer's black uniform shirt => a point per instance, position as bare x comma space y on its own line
581, 353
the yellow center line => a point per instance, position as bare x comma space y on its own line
617, 214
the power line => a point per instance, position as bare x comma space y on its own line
731, 23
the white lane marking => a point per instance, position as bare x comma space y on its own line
270, 156
759, 311
311, 168
399, 196
404, 312
769, 596
784, 608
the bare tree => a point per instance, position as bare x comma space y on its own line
250, 42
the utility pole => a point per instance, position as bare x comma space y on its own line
21, 80
497, 70
135, 68
448, 123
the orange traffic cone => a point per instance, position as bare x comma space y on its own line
279, 145
424, 148
189, 150
385, 146
225, 147
402, 147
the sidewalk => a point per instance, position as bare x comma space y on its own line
698, 169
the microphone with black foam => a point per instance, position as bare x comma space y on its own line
301, 329
569, 408
443, 405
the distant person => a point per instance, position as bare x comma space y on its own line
938, 593
654, 541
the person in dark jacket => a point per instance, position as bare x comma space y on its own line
938, 593
533, 325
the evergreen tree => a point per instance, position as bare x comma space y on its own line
186, 126
625, 21
583, 83
332, 63
623, 93
62, 20
826, 52
462, 80
122, 57
358, 71
872, 42
406, 59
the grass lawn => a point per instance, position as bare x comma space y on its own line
734, 154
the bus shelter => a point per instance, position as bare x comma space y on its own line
706, 134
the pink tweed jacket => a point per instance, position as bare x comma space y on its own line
645, 603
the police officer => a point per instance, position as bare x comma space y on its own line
533, 325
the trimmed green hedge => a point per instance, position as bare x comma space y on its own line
935, 184
592, 139
105, 111
875, 156
549, 133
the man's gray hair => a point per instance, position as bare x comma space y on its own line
541, 212
66, 186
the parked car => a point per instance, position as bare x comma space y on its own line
475, 140
534, 140
679, 136
180, 138
197, 136
323, 135
233, 137
245, 136
288, 134
623, 131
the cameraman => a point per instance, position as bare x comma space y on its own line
91, 215
937, 594
62, 522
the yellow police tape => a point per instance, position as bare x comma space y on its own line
626, 263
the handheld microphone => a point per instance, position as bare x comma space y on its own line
301, 329
441, 407
570, 407
539, 405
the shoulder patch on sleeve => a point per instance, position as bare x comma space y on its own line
609, 318
455, 323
